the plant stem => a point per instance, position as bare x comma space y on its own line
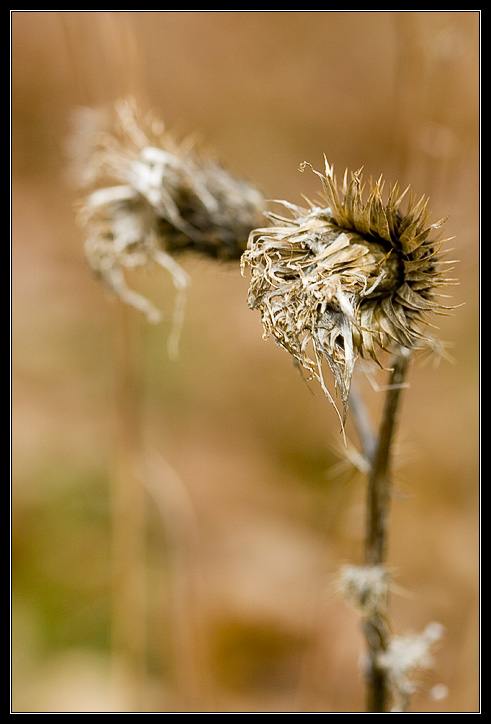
378, 502
128, 506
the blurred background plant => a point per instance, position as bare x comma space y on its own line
223, 597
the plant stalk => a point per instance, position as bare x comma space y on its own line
378, 504
128, 508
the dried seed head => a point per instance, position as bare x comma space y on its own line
149, 198
347, 277
407, 655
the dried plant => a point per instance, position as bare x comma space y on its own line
347, 277
148, 198
356, 276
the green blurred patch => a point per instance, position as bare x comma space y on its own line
61, 559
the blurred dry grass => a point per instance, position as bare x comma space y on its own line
177, 528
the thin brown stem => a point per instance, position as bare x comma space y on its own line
378, 504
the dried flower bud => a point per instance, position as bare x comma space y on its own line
366, 587
150, 198
346, 277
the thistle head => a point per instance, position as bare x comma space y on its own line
148, 198
353, 275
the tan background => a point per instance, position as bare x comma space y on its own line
178, 527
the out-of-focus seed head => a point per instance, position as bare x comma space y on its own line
148, 198
350, 276
405, 657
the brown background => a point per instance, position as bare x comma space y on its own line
178, 528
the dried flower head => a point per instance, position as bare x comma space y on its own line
347, 277
149, 198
